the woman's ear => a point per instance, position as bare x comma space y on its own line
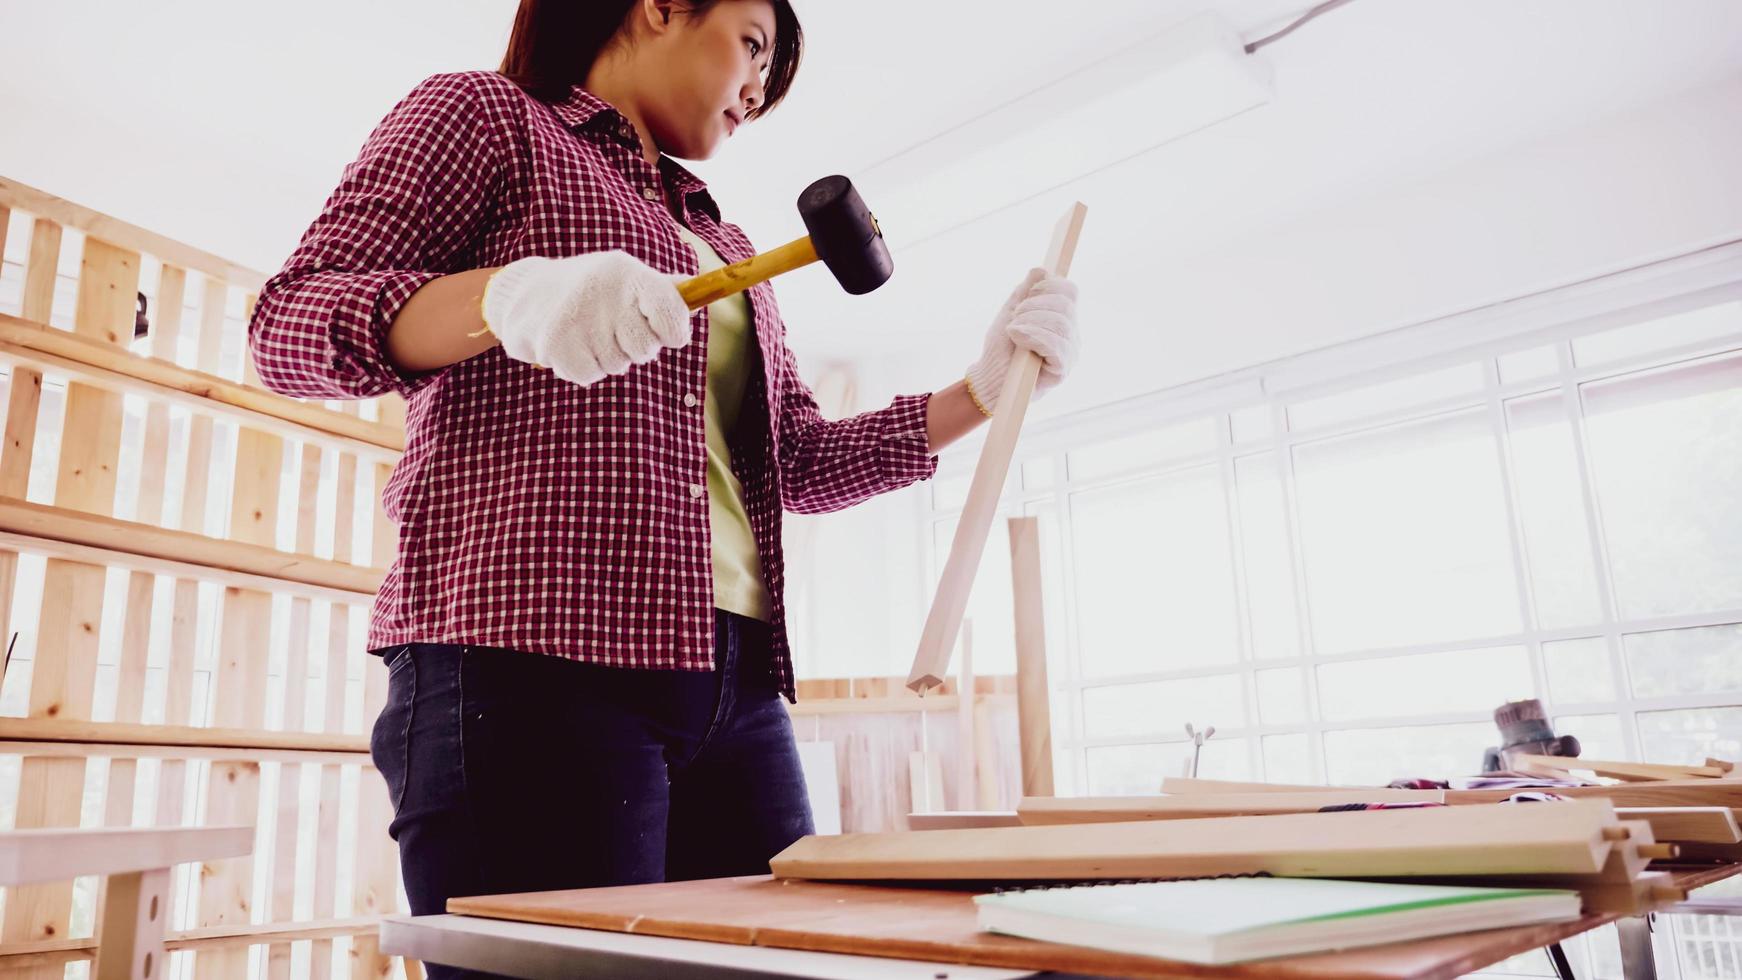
656, 14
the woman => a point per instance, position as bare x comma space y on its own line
584, 628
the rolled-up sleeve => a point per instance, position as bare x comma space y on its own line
830, 465
407, 211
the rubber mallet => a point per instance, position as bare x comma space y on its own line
843, 234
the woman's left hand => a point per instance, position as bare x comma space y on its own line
1041, 316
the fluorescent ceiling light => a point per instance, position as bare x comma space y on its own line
1170, 85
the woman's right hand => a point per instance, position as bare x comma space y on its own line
587, 316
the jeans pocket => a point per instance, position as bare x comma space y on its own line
390, 739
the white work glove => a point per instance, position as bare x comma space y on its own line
587, 316
1041, 316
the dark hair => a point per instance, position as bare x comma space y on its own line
555, 43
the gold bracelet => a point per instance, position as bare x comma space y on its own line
969, 382
482, 297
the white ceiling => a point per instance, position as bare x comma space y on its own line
225, 124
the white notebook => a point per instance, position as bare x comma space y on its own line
1228, 920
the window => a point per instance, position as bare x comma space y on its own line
1346, 577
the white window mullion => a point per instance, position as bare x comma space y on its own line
1515, 529
1573, 404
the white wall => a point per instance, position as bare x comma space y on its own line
1558, 209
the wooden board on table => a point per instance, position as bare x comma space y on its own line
1042, 810
962, 819
1665, 793
1567, 838
939, 925
1702, 824
1183, 785
1673, 792
1630, 771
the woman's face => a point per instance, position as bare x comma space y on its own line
704, 74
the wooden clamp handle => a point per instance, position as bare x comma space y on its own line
712, 286
932, 663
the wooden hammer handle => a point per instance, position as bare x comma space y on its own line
739, 276
950, 603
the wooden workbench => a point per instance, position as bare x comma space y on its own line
914, 924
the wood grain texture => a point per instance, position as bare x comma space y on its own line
1703, 824
1569, 838
1037, 811
939, 925
1672, 792
64, 674
1033, 697
931, 663
24, 391
233, 796
27, 198
1632, 771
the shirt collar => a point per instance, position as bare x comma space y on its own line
583, 111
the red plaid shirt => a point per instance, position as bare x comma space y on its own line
535, 514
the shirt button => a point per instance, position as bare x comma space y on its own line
690, 400
651, 193
696, 490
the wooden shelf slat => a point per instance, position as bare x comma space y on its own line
65, 533
118, 369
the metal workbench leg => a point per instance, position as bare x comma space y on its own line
1638, 962
1557, 957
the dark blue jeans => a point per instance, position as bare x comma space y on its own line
517, 772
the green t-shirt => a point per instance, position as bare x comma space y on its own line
738, 583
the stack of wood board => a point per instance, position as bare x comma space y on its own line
1037, 811
1582, 840
1626, 771
1654, 794
1678, 824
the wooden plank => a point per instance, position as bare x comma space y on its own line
226, 892
940, 925
147, 547
26, 198
258, 933
296, 671
986, 762
1568, 838
24, 395
39, 346
1047, 810
931, 663
925, 782
1640, 771
1183, 785
1703, 824
962, 819
337, 658
63, 677
138, 612
377, 881
56, 854
254, 934
1033, 707
967, 757
1697, 851
1693, 792
75, 730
